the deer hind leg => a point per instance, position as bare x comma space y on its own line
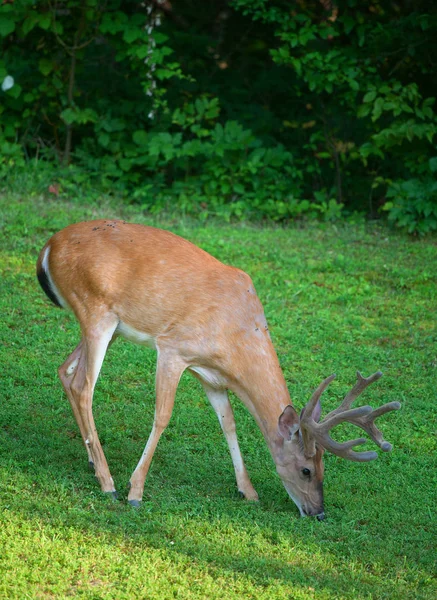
223, 409
168, 373
78, 375
66, 372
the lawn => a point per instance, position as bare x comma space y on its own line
337, 298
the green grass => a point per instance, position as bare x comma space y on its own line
337, 299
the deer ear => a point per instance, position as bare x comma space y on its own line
288, 423
317, 411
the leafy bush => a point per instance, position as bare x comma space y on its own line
245, 109
412, 205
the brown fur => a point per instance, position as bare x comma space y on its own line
200, 314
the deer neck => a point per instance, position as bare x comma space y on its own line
264, 392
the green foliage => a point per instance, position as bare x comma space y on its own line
61, 83
11, 156
336, 299
248, 110
412, 204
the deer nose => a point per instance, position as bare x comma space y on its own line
312, 513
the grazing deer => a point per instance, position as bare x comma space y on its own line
157, 289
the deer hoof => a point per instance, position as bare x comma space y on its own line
91, 465
253, 497
135, 503
113, 495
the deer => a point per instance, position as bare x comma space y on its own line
157, 289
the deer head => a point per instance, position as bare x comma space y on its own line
299, 458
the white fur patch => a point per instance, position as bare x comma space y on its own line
72, 367
135, 336
210, 376
45, 266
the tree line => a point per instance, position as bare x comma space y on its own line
273, 109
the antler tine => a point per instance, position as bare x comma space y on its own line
344, 450
311, 404
359, 387
307, 422
367, 423
335, 418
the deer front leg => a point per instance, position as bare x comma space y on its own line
223, 409
168, 373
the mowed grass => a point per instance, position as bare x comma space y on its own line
337, 299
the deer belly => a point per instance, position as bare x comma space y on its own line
135, 336
210, 376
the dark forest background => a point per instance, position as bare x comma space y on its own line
249, 109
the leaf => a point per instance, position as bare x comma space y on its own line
30, 22
58, 27
377, 109
142, 51
370, 96
428, 101
113, 22
111, 125
44, 20
125, 164
159, 38
15, 91
213, 110
132, 34
104, 139
163, 74
297, 65
140, 137
349, 23
70, 115
45, 66
7, 26
433, 164
363, 110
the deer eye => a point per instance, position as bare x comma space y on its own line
306, 472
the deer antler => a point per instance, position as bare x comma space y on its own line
362, 417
